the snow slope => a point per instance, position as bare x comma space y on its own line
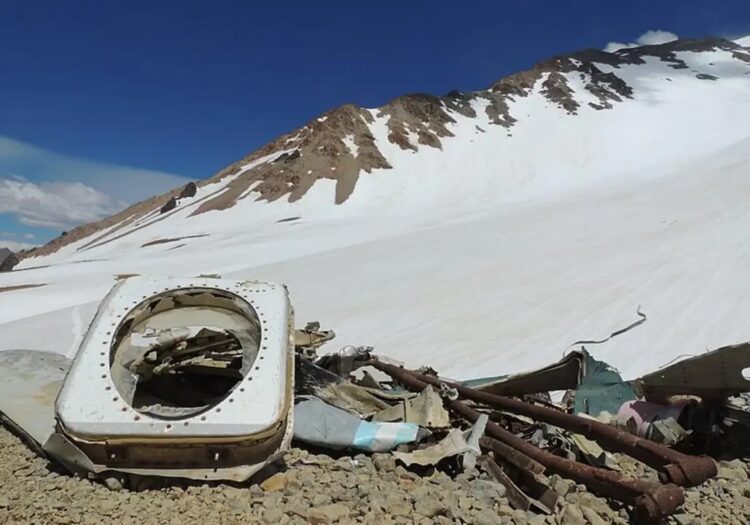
490, 254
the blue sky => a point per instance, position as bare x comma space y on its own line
104, 102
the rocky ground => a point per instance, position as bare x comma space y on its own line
319, 489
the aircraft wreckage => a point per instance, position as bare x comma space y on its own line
180, 378
207, 379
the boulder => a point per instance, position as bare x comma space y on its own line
189, 190
8, 260
169, 206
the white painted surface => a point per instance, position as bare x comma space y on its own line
89, 404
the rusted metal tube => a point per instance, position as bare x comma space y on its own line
650, 501
673, 466
516, 497
511, 455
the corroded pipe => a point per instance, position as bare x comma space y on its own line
673, 466
650, 501
511, 455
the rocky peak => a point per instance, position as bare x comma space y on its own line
340, 146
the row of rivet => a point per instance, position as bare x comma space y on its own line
264, 330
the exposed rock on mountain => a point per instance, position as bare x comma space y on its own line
7, 260
348, 143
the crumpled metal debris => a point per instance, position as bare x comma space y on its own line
342, 362
307, 340
320, 424
593, 453
29, 383
518, 497
353, 398
171, 380
571, 445
196, 348
598, 386
426, 410
313, 380
600, 389
712, 376
653, 421
179, 353
457, 442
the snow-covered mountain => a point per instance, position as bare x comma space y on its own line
480, 232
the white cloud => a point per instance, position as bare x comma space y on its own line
649, 38
15, 246
58, 205
43, 188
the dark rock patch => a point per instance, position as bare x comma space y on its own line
170, 205
190, 190
8, 260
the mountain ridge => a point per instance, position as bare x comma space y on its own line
340, 144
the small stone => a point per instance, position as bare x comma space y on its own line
345, 464
487, 490
520, 517
486, 517
320, 499
465, 502
592, 517
561, 485
732, 470
272, 515
275, 483
292, 487
537, 519
685, 519
429, 506
400, 509
238, 505
328, 513
572, 515
306, 476
114, 483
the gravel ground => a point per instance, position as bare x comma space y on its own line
318, 489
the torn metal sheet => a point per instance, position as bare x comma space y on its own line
593, 453
456, 443
425, 410
352, 398
651, 501
342, 362
29, 383
469, 457
563, 375
601, 388
653, 421
517, 498
175, 377
316, 381
307, 340
598, 386
712, 376
324, 425
368, 380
